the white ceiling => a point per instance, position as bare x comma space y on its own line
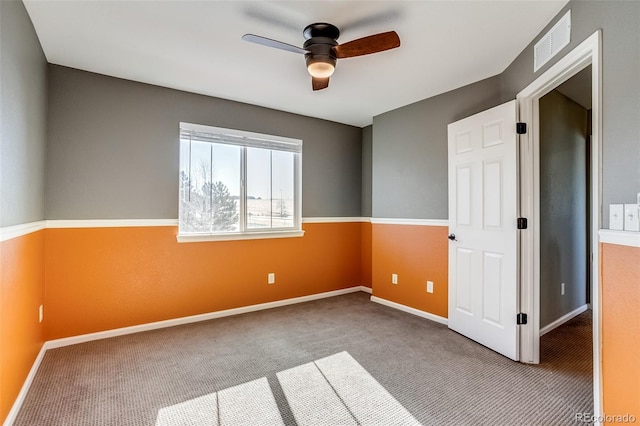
197, 47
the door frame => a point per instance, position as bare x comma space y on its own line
589, 52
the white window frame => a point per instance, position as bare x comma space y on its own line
258, 140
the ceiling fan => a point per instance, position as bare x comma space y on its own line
321, 49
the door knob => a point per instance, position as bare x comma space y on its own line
452, 237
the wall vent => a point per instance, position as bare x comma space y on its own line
552, 42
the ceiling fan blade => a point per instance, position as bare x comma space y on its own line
273, 43
367, 45
319, 83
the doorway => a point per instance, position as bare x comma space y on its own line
565, 130
565, 314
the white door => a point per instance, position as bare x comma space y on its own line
483, 246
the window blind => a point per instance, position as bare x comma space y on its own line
199, 133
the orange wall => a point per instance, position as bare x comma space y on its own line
22, 292
365, 254
621, 329
416, 253
104, 278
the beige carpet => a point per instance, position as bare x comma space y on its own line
438, 376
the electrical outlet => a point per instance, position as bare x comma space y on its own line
271, 278
562, 289
429, 286
394, 278
40, 314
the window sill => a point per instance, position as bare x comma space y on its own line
197, 238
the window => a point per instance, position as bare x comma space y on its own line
236, 185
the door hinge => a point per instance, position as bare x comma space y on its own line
522, 223
521, 319
521, 128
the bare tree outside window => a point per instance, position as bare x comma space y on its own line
207, 207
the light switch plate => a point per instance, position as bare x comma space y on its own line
616, 217
631, 217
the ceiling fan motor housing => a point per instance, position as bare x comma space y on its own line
321, 39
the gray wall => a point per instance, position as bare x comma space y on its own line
563, 206
620, 24
410, 151
113, 148
367, 147
410, 145
23, 91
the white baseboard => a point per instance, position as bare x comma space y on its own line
557, 323
194, 318
13, 413
366, 289
410, 310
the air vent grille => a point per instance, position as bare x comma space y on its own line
552, 42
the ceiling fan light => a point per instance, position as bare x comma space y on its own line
320, 69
